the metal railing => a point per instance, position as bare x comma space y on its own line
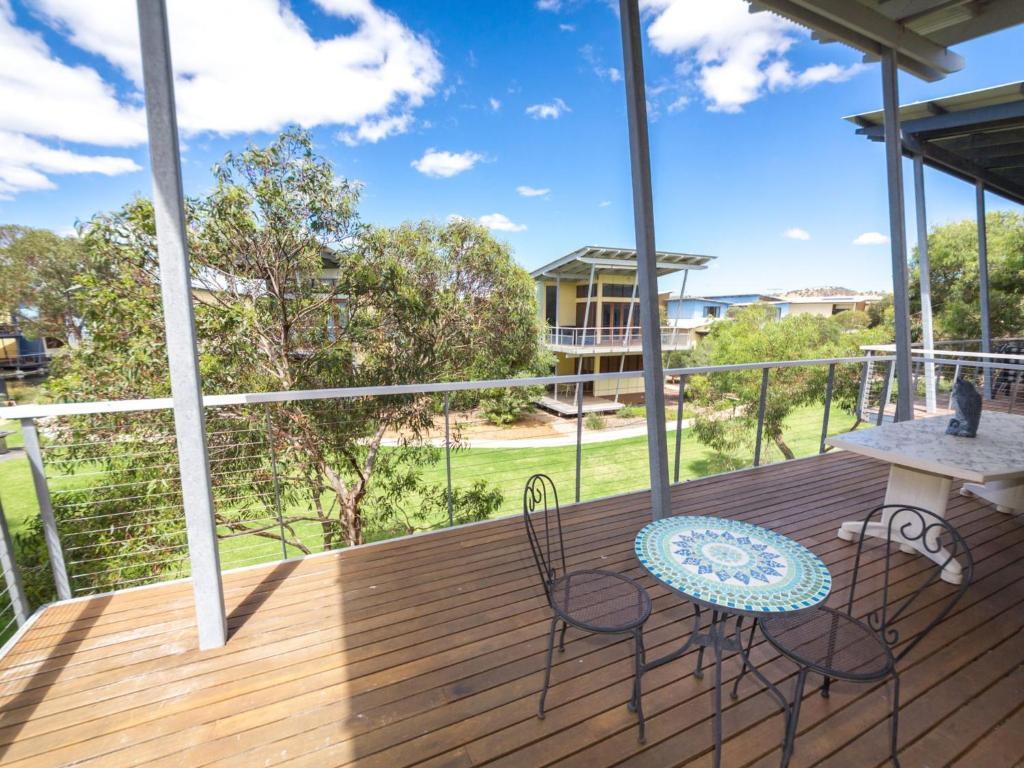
610, 337
108, 494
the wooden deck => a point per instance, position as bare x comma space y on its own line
429, 652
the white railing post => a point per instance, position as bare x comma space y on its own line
176, 289
50, 533
9, 567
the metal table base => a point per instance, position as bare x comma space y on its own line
720, 639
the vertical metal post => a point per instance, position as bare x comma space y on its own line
986, 335
175, 287
897, 233
277, 483
885, 394
448, 461
679, 427
643, 218
579, 438
828, 406
956, 375
761, 405
628, 336
50, 533
583, 332
927, 331
9, 567
862, 397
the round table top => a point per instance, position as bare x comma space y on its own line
733, 565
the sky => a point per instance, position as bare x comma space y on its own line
511, 113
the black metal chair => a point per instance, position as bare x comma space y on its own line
596, 601
839, 646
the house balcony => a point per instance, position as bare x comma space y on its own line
603, 341
430, 651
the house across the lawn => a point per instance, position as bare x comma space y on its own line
589, 303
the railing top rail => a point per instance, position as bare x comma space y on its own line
254, 398
921, 358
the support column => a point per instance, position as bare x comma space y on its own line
583, 332
897, 234
643, 217
175, 287
628, 336
927, 332
986, 335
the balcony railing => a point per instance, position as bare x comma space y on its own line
108, 498
119, 522
611, 337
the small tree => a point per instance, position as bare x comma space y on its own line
728, 402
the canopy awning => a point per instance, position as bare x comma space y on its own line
577, 265
975, 136
919, 31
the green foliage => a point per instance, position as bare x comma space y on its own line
38, 271
727, 402
953, 262
292, 293
855, 320
595, 421
632, 412
508, 405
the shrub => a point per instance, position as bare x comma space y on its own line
505, 406
595, 421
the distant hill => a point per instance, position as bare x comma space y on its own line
826, 292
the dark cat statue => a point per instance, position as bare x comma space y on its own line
968, 410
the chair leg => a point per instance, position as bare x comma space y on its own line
895, 719
547, 667
561, 638
636, 704
825, 685
793, 717
699, 671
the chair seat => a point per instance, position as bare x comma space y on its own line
600, 601
830, 642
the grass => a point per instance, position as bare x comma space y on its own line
607, 468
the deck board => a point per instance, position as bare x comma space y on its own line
429, 651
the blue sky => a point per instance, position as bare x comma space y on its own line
450, 108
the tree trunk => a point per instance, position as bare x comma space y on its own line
781, 445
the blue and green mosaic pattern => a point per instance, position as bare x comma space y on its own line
732, 564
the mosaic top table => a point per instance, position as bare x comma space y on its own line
738, 571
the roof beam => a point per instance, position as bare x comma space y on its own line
963, 168
953, 120
622, 264
870, 31
992, 16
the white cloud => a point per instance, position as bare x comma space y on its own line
871, 238
567, 27
501, 223
441, 164
733, 56
551, 111
549, 5
592, 58
795, 233
604, 203
679, 104
373, 131
494, 104
24, 163
525, 191
267, 72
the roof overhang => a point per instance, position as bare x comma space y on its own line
919, 31
975, 136
578, 264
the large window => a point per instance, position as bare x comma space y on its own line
581, 291
615, 291
551, 305
712, 311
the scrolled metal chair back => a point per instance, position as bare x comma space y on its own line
540, 505
932, 533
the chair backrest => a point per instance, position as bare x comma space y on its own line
543, 519
931, 533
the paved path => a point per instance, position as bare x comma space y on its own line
555, 441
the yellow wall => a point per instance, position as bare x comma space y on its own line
823, 309
8, 348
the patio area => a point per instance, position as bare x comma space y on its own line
429, 651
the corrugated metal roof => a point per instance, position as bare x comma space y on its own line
976, 136
604, 260
920, 31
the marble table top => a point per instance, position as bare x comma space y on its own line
997, 453
732, 565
